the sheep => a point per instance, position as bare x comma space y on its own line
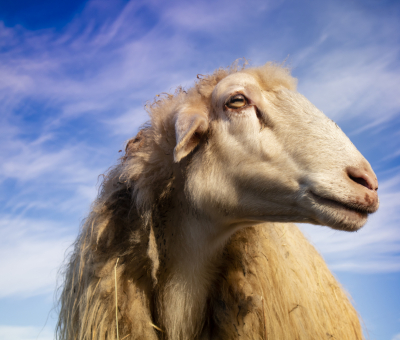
191, 236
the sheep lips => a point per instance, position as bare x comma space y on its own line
345, 215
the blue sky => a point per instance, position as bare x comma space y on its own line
74, 77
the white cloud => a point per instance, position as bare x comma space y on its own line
69, 100
127, 123
347, 78
49, 181
205, 17
31, 252
32, 162
25, 333
108, 72
396, 337
364, 86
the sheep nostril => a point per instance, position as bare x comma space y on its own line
363, 177
361, 181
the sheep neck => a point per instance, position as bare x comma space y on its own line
189, 247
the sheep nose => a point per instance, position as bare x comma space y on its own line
363, 176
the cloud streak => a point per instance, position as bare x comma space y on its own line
25, 333
34, 250
71, 99
396, 337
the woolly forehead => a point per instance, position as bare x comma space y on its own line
251, 83
203, 97
235, 83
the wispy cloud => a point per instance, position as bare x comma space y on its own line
351, 70
366, 86
70, 99
31, 252
25, 333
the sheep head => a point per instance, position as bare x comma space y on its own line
270, 155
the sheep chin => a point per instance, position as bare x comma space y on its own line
341, 215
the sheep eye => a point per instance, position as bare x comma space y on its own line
236, 102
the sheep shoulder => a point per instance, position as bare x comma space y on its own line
273, 284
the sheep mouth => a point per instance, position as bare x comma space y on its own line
341, 215
362, 209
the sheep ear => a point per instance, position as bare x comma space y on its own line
189, 129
